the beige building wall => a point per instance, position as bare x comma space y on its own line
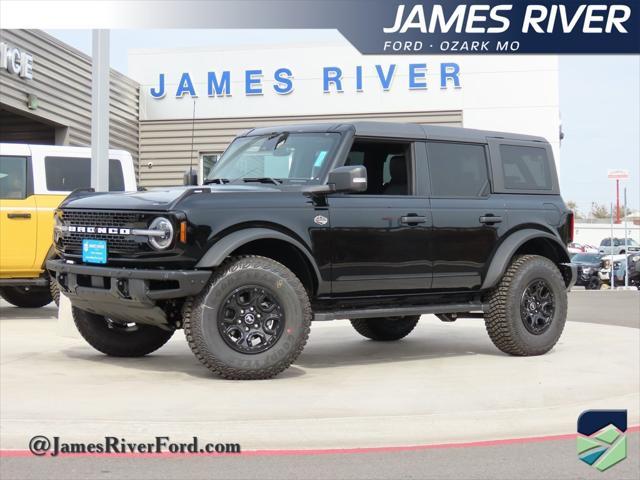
62, 84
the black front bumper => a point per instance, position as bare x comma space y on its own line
123, 294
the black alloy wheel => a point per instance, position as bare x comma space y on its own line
537, 306
251, 320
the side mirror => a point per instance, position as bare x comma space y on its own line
352, 179
190, 177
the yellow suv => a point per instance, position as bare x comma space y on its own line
34, 179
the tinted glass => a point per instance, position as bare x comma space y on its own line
525, 168
387, 164
457, 170
13, 177
64, 174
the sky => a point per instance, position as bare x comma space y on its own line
599, 102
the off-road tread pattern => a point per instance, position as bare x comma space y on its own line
496, 321
55, 291
192, 320
385, 329
36, 298
149, 338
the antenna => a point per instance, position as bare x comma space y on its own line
193, 130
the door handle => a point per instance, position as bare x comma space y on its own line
412, 220
19, 215
490, 218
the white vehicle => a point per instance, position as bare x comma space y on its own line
619, 246
34, 179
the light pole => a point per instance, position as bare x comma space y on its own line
100, 110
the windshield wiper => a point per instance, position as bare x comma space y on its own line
220, 181
275, 181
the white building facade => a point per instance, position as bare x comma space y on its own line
234, 89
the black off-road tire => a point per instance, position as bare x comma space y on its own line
54, 289
26, 297
117, 341
200, 316
385, 329
594, 283
503, 320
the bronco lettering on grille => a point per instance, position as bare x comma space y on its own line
109, 230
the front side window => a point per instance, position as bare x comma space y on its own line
65, 174
525, 168
457, 169
299, 157
387, 164
13, 177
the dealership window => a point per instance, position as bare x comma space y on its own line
13, 177
64, 174
387, 164
525, 168
457, 169
207, 161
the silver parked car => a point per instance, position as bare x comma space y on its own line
618, 246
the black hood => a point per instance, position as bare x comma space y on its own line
158, 200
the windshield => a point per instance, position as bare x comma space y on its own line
278, 157
586, 257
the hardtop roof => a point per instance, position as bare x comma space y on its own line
397, 130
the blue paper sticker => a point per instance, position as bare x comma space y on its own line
94, 251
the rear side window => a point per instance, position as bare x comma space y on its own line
13, 177
525, 168
457, 169
64, 174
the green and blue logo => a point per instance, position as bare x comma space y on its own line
601, 438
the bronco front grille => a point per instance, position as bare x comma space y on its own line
117, 244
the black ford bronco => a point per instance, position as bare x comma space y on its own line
373, 222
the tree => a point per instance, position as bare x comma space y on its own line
599, 210
573, 206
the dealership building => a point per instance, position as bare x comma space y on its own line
181, 107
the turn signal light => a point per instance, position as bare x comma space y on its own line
183, 232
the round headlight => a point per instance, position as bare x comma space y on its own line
161, 242
586, 269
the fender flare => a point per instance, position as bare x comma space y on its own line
220, 250
506, 250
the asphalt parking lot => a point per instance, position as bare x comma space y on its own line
444, 384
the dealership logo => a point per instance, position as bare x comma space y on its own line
601, 438
332, 79
16, 61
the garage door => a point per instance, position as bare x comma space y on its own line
16, 128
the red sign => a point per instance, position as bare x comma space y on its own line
618, 174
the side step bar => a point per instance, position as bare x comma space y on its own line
400, 311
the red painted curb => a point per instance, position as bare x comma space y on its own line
317, 451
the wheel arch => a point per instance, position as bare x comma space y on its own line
528, 241
269, 243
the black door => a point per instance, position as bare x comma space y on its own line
467, 219
380, 239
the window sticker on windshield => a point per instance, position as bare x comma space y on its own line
320, 158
